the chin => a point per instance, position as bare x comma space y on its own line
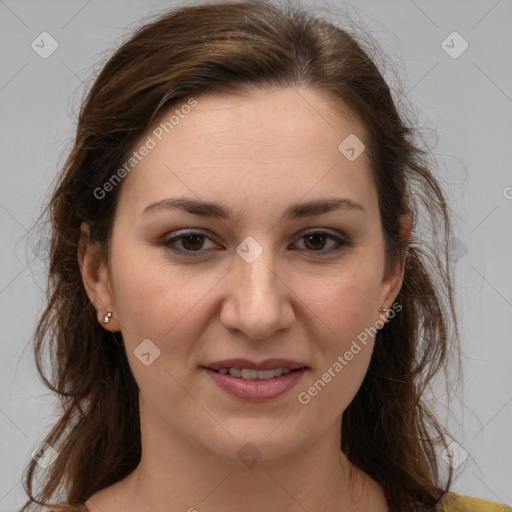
260, 447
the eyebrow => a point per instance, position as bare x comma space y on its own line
219, 211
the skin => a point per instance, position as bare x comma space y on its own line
256, 155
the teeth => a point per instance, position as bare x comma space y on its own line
235, 372
247, 374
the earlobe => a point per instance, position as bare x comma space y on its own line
95, 277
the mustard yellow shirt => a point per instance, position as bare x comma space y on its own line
453, 502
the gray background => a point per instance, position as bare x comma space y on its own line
466, 100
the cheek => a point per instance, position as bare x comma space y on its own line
346, 302
343, 311
165, 307
163, 303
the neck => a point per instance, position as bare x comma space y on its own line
175, 474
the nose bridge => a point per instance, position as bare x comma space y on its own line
257, 300
259, 276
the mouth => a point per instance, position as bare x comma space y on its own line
242, 368
250, 374
255, 382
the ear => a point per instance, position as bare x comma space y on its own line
96, 279
392, 282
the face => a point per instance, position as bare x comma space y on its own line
267, 273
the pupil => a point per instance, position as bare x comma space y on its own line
198, 239
312, 237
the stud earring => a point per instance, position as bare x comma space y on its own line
106, 319
383, 310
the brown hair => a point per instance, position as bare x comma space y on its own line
388, 430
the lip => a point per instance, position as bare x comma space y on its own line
255, 390
267, 364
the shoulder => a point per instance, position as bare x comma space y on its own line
453, 502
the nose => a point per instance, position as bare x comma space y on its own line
259, 297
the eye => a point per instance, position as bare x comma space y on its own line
193, 241
315, 241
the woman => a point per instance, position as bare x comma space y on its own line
242, 311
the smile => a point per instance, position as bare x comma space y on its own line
255, 385
248, 374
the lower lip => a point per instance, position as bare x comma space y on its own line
256, 390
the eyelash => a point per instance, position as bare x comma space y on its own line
167, 243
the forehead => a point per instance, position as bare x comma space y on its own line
270, 141
264, 122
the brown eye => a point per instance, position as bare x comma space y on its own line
192, 242
188, 243
316, 241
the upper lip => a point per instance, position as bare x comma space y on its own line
267, 364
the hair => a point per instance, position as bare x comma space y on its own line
389, 430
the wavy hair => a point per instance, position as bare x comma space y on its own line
389, 430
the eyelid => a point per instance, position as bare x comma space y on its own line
339, 238
166, 241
